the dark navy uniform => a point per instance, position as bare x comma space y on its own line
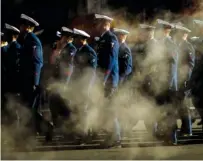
4, 47
196, 80
125, 61
86, 63
86, 57
108, 50
168, 81
108, 58
125, 56
31, 61
62, 69
13, 59
63, 66
187, 57
186, 65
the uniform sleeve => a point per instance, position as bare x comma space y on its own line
38, 62
113, 49
69, 70
128, 55
93, 59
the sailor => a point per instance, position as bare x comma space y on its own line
62, 60
85, 57
145, 57
85, 64
13, 59
185, 69
125, 56
108, 51
63, 55
31, 63
196, 77
168, 70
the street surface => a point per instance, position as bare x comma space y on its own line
186, 152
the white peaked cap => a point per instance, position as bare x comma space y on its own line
58, 33
98, 16
159, 21
121, 31
12, 28
65, 29
194, 38
25, 17
80, 32
145, 26
180, 27
200, 22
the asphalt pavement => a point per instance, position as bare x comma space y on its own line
186, 152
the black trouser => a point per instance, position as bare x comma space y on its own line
58, 108
169, 121
198, 103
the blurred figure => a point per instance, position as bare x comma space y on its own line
57, 40
145, 55
85, 62
196, 77
108, 49
62, 67
31, 63
125, 56
4, 46
13, 59
63, 55
170, 83
146, 58
186, 65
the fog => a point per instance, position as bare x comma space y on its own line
91, 109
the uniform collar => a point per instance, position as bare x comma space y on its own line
104, 33
82, 47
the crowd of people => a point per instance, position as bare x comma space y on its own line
171, 66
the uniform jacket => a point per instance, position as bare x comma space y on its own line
168, 64
13, 64
187, 57
172, 60
31, 59
85, 64
63, 64
86, 57
125, 60
108, 50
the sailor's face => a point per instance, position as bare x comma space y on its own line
122, 37
150, 34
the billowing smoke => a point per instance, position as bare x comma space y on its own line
91, 109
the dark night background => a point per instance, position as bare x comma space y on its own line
52, 14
